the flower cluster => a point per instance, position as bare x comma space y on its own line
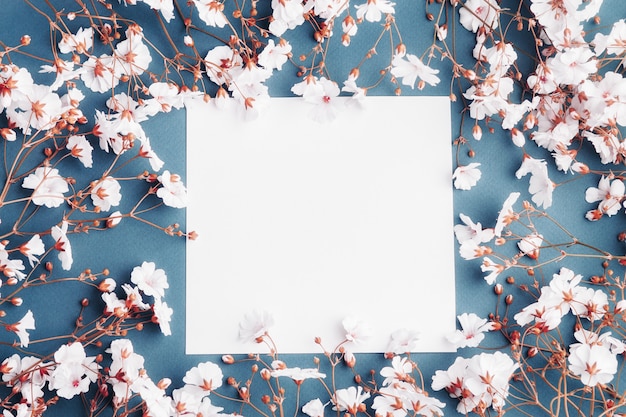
539, 330
72, 168
479, 382
572, 95
71, 373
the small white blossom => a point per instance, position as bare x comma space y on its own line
466, 176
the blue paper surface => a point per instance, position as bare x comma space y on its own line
123, 248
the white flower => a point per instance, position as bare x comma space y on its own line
211, 12
81, 42
16, 85
475, 14
308, 87
572, 65
471, 232
373, 10
80, 148
478, 382
326, 9
314, 408
356, 330
62, 245
507, 215
452, 380
165, 6
530, 245
145, 151
33, 248
274, 56
399, 371
488, 377
10, 267
540, 185
20, 328
472, 331
125, 371
609, 193
466, 176
132, 54
64, 71
595, 364
489, 97
349, 399
29, 374
409, 67
286, 14
100, 74
255, 325
113, 305
173, 191
158, 404
590, 304
114, 219
561, 296
494, 269
48, 186
150, 280
106, 193
163, 316
358, 93
220, 63
403, 341
614, 43
321, 93
74, 372
166, 96
134, 298
207, 376
500, 57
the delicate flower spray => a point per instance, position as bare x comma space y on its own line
554, 348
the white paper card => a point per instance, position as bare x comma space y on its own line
316, 222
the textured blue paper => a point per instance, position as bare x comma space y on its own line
125, 247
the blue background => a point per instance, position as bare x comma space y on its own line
122, 248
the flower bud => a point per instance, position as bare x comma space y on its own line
107, 285
469, 74
7, 134
164, 383
441, 31
477, 132
349, 359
